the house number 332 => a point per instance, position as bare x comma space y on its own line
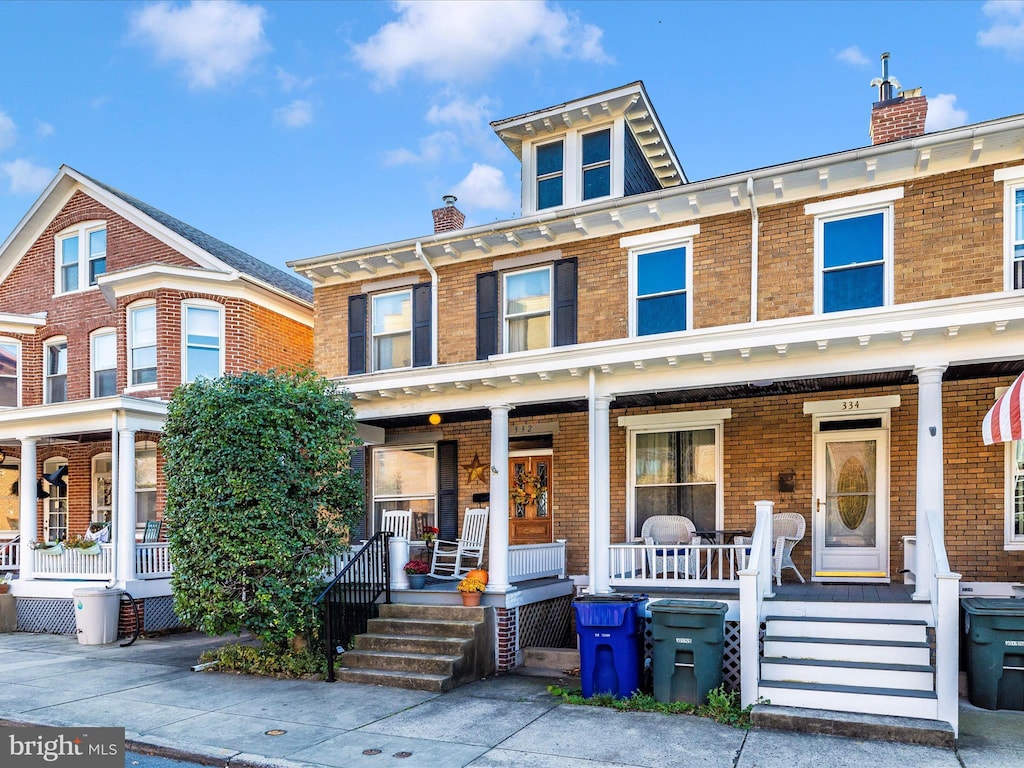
851, 405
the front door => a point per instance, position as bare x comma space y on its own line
529, 503
851, 505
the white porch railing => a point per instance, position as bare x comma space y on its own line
75, 564
536, 561
9, 555
945, 599
152, 561
755, 586
698, 566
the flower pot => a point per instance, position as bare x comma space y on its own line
56, 549
417, 580
470, 598
93, 550
4, 588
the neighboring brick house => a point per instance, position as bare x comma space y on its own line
106, 306
825, 334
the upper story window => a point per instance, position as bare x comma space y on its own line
55, 360
597, 164
550, 174
10, 353
142, 345
1017, 235
391, 323
853, 251
1013, 224
81, 256
103, 361
660, 275
203, 332
527, 310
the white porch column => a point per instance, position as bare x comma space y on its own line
930, 480
124, 523
497, 556
602, 532
28, 525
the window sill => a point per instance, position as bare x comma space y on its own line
76, 291
140, 388
1013, 546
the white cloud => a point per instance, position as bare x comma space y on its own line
212, 41
8, 131
433, 148
290, 82
1007, 27
464, 41
295, 115
460, 111
943, 113
44, 129
485, 187
26, 177
853, 55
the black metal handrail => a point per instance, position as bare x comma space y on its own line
351, 599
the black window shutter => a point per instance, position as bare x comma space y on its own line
357, 466
357, 334
448, 489
486, 315
565, 302
421, 331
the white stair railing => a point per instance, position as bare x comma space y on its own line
9, 551
755, 585
945, 600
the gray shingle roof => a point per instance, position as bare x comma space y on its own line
230, 255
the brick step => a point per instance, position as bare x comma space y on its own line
450, 646
417, 681
422, 627
431, 612
435, 664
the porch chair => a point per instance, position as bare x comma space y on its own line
454, 559
669, 529
151, 533
397, 522
789, 529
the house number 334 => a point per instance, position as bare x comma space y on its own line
851, 405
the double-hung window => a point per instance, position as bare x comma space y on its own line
1013, 224
597, 164
391, 321
660, 276
55, 505
1015, 496
406, 478
55, 360
10, 352
103, 358
550, 174
527, 304
81, 256
203, 331
142, 345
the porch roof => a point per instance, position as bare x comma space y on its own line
74, 419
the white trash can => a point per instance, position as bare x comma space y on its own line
96, 614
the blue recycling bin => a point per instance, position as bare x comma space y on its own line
611, 634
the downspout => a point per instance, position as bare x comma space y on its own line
753, 249
433, 301
591, 480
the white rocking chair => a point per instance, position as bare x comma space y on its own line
397, 522
454, 559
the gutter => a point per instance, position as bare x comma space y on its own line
433, 300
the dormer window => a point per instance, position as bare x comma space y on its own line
550, 173
81, 256
597, 164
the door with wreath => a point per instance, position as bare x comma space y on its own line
529, 504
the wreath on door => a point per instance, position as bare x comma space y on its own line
526, 488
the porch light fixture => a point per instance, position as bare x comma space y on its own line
787, 481
434, 419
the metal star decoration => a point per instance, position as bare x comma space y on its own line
475, 471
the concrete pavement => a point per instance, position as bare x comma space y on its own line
499, 722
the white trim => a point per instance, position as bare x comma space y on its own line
100, 333
387, 285
17, 376
671, 419
1009, 220
1016, 173
843, 407
221, 311
865, 200
137, 306
529, 260
888, 256
54, 341
659, 237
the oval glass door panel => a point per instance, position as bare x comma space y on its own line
850, 494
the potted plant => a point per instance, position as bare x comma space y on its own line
417, 571
82, 544
429, 534
470, 589
5, 583
48, 547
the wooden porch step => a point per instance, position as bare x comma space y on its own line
909, 630
917, 677
851, 698
841, 649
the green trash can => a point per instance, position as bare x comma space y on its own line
689, 642
995, 652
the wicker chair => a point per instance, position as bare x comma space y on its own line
669, 529
788, 529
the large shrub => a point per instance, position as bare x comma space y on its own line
259, 495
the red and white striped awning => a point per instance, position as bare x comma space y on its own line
1004, 420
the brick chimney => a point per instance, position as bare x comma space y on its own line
896, 117
449, 218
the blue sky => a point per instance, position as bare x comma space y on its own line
295, 129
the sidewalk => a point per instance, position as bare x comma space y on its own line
502, 721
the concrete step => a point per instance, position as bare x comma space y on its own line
434, 664
417, 681
431, 612
909, 730
848, 698
884, 651
422, 627
549, 662
868, 674
451, 646
909, 630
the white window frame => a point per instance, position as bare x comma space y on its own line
1011, 541
549, 268
609, 162
374, 362
1013, 180
54, 341
399, 498
145, 449
687, 421
221, 330
101, 513
653, 242
17, 376
93, 370
50, 466
132, 308
537, 177
82, 232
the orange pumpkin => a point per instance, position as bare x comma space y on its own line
478, 573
